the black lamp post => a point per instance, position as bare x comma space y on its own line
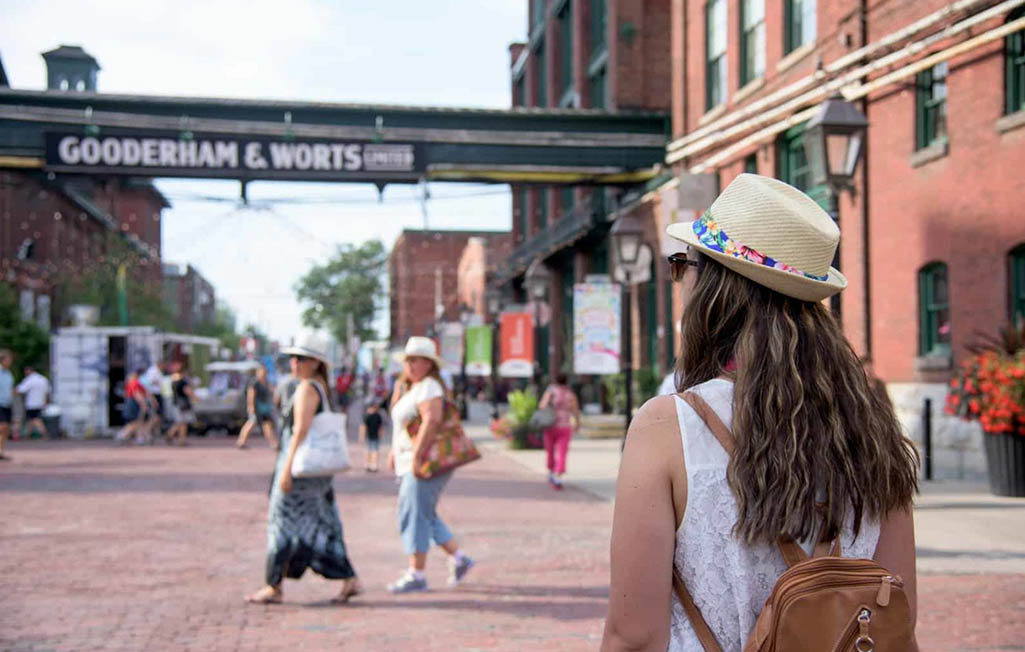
833, 141
627, 236
493, 302
537, 280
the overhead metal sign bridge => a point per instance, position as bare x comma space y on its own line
104, 134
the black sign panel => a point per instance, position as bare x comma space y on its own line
230, 156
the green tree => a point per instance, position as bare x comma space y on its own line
347, 284
29, 343
97, 284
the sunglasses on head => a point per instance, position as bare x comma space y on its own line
678, 264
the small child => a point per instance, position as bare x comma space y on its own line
369, 432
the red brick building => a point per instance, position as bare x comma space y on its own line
579, 55
189, 296
933, 234
423, 277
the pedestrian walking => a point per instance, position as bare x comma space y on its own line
777, 443
153, 381
36, 390
6, 399
304, 529
370, 435
133, 409
343, 383
182, 397
419, 392
563, 402
260, 408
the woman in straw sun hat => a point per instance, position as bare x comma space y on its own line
304, 529
420, 392
816, 453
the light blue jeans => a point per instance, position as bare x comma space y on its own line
419, 523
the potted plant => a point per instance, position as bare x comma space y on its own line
522, 405
989, 387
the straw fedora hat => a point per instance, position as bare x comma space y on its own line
771, 233
310, 346
420, 347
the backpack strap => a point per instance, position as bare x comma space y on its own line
712, 420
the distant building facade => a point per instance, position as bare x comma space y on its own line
423, 277
189, 297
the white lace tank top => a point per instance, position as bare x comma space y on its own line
728, 580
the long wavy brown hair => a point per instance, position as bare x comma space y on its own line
805, 418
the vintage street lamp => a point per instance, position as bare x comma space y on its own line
833, 141
493, 303
627, 235
537, 280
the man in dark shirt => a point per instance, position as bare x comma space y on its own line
370, 433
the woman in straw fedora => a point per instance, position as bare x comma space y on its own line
420, 392
304, 529
816, 453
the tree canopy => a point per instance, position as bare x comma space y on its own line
349, 283
29, 343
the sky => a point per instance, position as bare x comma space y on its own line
436, 52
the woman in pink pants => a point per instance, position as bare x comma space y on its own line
560, 398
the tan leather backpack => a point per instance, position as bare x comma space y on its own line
822, 603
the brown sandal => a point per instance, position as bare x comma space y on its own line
266, 595
352, 589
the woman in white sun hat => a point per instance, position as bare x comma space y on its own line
816, 454
304, 529
420, 392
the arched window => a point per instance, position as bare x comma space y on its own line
933, 310
1014, 66
1016, 282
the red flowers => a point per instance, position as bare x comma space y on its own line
990, 387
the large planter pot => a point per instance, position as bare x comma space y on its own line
1005, 460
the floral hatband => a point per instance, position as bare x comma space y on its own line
712, 236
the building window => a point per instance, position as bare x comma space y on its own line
1014, 73
752, 40
598, 88
934, 310
793, 166
537, 13
799, 24
566, 49
1016, 268
542, 208
598, 26
524, 215
715, 53
541, 68
931, 106
751, 163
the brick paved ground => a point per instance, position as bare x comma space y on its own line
152, 549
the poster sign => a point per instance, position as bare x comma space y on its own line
451, 340
596, 328
478, 351
160, 153
517, 333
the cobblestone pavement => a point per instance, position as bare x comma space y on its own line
152, 548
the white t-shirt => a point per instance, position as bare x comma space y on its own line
35, 387
404, 411
152, 380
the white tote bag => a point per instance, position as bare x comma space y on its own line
325, 450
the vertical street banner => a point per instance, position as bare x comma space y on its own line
517, 333
478, 351
451, 345
596, 328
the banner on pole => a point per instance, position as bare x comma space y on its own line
451, 337
517, 349
596, 328
478, 351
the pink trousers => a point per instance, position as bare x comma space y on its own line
557, 446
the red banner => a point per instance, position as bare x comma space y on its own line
517, 345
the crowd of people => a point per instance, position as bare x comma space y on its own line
157, 404
34, 390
